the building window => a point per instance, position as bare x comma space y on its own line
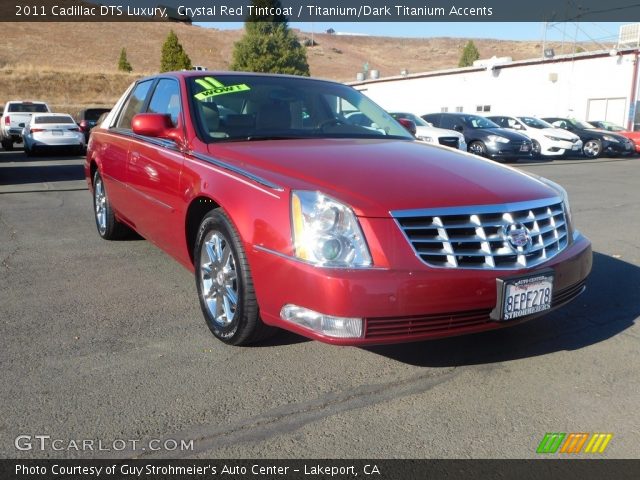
483, 108
459, 109
444, 109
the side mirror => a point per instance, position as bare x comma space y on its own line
409, 125
155, 125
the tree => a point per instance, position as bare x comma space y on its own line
173, 55
268, 44
469, 55
123, 63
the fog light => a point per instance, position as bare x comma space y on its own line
339, 327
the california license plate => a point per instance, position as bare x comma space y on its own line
56, 132
522, 296
524, 148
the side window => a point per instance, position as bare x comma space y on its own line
433, 119
134, 104
449, 122
166, 99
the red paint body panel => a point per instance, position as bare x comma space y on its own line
151, 188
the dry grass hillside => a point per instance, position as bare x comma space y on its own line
74, 64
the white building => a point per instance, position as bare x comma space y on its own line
588, 86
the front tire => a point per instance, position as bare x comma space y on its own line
592, 148
108, 227
477, 148
223, 280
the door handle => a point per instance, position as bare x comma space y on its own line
133, 157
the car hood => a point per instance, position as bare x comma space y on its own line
559, 133
437, 132
377, 176
503, 132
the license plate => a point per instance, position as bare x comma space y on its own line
524, 148
522, 296
56, 132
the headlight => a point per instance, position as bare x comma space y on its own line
425, 139
498, 138
326, 232
555, 139
609, 138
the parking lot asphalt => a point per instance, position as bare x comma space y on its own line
105, 341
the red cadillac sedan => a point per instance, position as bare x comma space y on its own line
290, 216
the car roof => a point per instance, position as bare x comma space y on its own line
49, 114
213, 73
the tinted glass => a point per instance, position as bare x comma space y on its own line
450, 121
166, 99
433, 119
474, 121
579, 124
28, 107
92, 114
54, 119
240, 107
134, 104
410, 116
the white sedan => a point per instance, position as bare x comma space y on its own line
52, 131
430, 134
547, 141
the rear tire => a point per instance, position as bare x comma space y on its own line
108, 227
225, 287
536, 149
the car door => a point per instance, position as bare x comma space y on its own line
154, 167
114, 152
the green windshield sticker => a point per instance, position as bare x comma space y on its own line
215, 88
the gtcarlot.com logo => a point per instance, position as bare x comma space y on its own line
574, 443
27, 443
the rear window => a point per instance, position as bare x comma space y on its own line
93, 114
53, 119
27, 107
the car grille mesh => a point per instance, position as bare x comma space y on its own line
479, 237
449, 142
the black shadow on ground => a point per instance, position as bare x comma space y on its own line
610, 305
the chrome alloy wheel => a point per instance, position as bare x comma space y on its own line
100, 202
219, 278
592, 148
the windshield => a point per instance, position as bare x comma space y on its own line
535, 122
579, 124
474, 121
255, 107
420, 122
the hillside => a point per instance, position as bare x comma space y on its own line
73, 64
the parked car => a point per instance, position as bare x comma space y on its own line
484, 137
52, 131
430, 134
291, 217
87, 119
546, 140
612, 127
15, 116
595, 142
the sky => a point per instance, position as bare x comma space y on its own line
603, 32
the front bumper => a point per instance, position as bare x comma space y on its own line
402, 305
508, 150
550, 148
618, 148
